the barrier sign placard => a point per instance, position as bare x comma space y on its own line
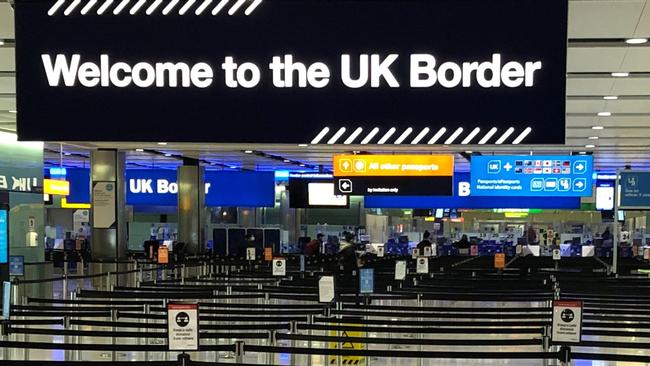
557, 255
371, 78
279, 267
347, 345
400, 270
366, 280
380, 251
532, 176
415, 253
163, 255
422, 265
427, 251
268, 254
183, 327
473, 250
635, 190
567, 321
250, 254
326, 289
16, 265
499, 261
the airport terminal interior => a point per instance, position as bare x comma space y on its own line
325, 182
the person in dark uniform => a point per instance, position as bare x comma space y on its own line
426, 242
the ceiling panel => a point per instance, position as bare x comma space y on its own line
604, 19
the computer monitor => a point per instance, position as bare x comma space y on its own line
647, 241
58, 244
403, 239
577, 240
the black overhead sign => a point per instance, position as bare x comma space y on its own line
292, 71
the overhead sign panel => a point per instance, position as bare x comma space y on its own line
389, 71
532, 176
635, 190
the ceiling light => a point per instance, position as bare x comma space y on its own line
303, 145
248, 151
162, 143
67, 154
233, 167
287, 160
168, 155
620, 74
582, 153
636, 40
139, 150
611, 97
468, 152
593, 137
2, 42
302, 165
604, 114
13, 111
598, 128
590, 146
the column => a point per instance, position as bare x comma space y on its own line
191, 206
108, 212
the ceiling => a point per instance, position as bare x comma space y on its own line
597, 48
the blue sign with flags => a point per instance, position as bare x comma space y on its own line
532, 176
635, 190
366, 280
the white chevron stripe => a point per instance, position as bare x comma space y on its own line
202, 7
471, 136
336, 136
503, 137
104, 6
252, 7
153, 7
487, 137
354, 136
186, 7
522, 136
219, 6
118, 9
453, 136
420, 136
387, 136
70, 8
137, 7
88, 6
236, 7
437, 136
404, 135
320, 135
169, 7
55, 7
370, 136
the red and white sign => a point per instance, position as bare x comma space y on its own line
279, 267
567, 322
183, 327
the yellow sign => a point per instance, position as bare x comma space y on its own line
58, 187
163, 255
65, 204
268, 254
393, 165
347, 360
500, 261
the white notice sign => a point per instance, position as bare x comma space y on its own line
567, 321
380, 251
183, 327
557, 255
250, 254
279, 267
415, 253
427, 251
326, 289
434, 250
422, 265
400, 270
103, 204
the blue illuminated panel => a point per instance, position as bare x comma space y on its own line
532, 176
635, 190
4, 237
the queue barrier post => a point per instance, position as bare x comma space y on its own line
565, 355
271, 341
184, 359
546, 342
239, 352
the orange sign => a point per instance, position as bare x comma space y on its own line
268, 254
393, 165
500, 261
163, 255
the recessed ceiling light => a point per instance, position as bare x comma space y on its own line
593, 137
636, 40
604, 114
620, 74
2, 42
168, 155
139, 150
302, 165
13, 111
233, 167
248, 151
582, 153
287, 160
611, 97
590, 146
303, 145
67, 154
468, 152
162, 143
598, 128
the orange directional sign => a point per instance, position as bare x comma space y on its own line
393, 165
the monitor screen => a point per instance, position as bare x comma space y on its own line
314, 191
439, 213
621, 215
322, 194
647, 241
604, 198
577, 240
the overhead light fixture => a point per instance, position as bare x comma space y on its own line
620, 74
302, 165
593, 137
168, 155
139, 150
248, 151
287, 160
611, 97
162, 143
598, 128
2, 42
67, 154
604, 114
468, 152
590, 146
233, 167
13, 111
636, 40
303, 145
582, 153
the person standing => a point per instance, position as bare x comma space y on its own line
314, 246
426, 242
531, 235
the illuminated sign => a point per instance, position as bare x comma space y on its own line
19, 184
56, 187
393, 165
251, 71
